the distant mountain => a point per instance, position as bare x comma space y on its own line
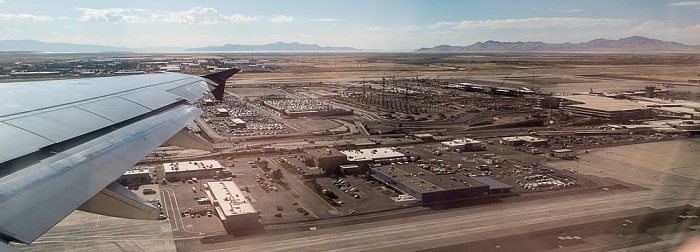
273, 47
629, 44
33, 45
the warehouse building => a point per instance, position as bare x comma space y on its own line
350, 169
524, 140
371, 155
222, 112
495, 186
136, 176
462, 145
237, 123
192, 169
327, 158
427, 187
231, 206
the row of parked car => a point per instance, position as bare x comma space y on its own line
347, 188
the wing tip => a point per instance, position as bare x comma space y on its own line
220, 79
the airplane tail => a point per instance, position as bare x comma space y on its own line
220, 79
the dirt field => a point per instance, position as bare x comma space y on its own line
669, 165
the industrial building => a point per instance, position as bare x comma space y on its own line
208, 102
425, 136
427, 187
192, 169
524, 140
222, 112
231, 206
350, 169
327, 158
462, 145
488, 89
495, 186
136, 176
372, 154
237, 123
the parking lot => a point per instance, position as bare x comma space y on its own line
177, 198
262, 196
370, 196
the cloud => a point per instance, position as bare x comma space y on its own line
238, 18
536, 22
9, 16
2, 1
326, 20
568, 11
282, 19
199, 15
113, 15
441, 24
695, 4
13, 30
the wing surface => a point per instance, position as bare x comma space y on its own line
64, 141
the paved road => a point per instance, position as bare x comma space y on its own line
312, 202
462, 226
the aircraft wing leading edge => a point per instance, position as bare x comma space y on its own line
58, 151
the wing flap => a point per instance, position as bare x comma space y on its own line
16, 142
106, 108
117, 201
187, 139
60, 125
151, 98
192, 92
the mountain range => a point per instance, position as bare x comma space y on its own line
629, 44
38, 46
273, 47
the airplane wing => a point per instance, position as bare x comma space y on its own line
64, 142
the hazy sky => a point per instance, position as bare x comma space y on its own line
364, 24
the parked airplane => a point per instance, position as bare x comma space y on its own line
63, 143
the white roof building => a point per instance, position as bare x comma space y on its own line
371, 154
231, 205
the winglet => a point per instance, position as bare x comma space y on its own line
220, 79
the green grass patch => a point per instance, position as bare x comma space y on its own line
287, 166
284, 185
263, 165
373, 184
295, 195
323, 196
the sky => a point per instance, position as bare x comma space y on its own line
362, 24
